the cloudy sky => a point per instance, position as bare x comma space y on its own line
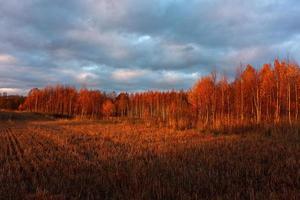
137, 45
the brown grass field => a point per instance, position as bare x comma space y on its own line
43, 158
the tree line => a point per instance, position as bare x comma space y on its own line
10, 102
267, 95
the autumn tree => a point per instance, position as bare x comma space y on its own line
201, 98
269, 94
108, 108
267, 88
122, 104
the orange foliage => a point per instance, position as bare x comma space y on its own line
255, 96
108, 108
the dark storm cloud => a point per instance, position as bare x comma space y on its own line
139, 44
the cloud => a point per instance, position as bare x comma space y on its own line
7, 59
127, 74
13, 91
172, 77
139, 44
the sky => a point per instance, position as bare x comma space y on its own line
138, 45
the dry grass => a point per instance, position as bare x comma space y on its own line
100, 160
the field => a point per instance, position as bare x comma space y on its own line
44, 158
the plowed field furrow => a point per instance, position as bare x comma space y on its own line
9, 153
16, 143
3, 147
15, 152
22, 166
31, 160
61, 147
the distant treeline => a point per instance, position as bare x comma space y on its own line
10, 102
267, 95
